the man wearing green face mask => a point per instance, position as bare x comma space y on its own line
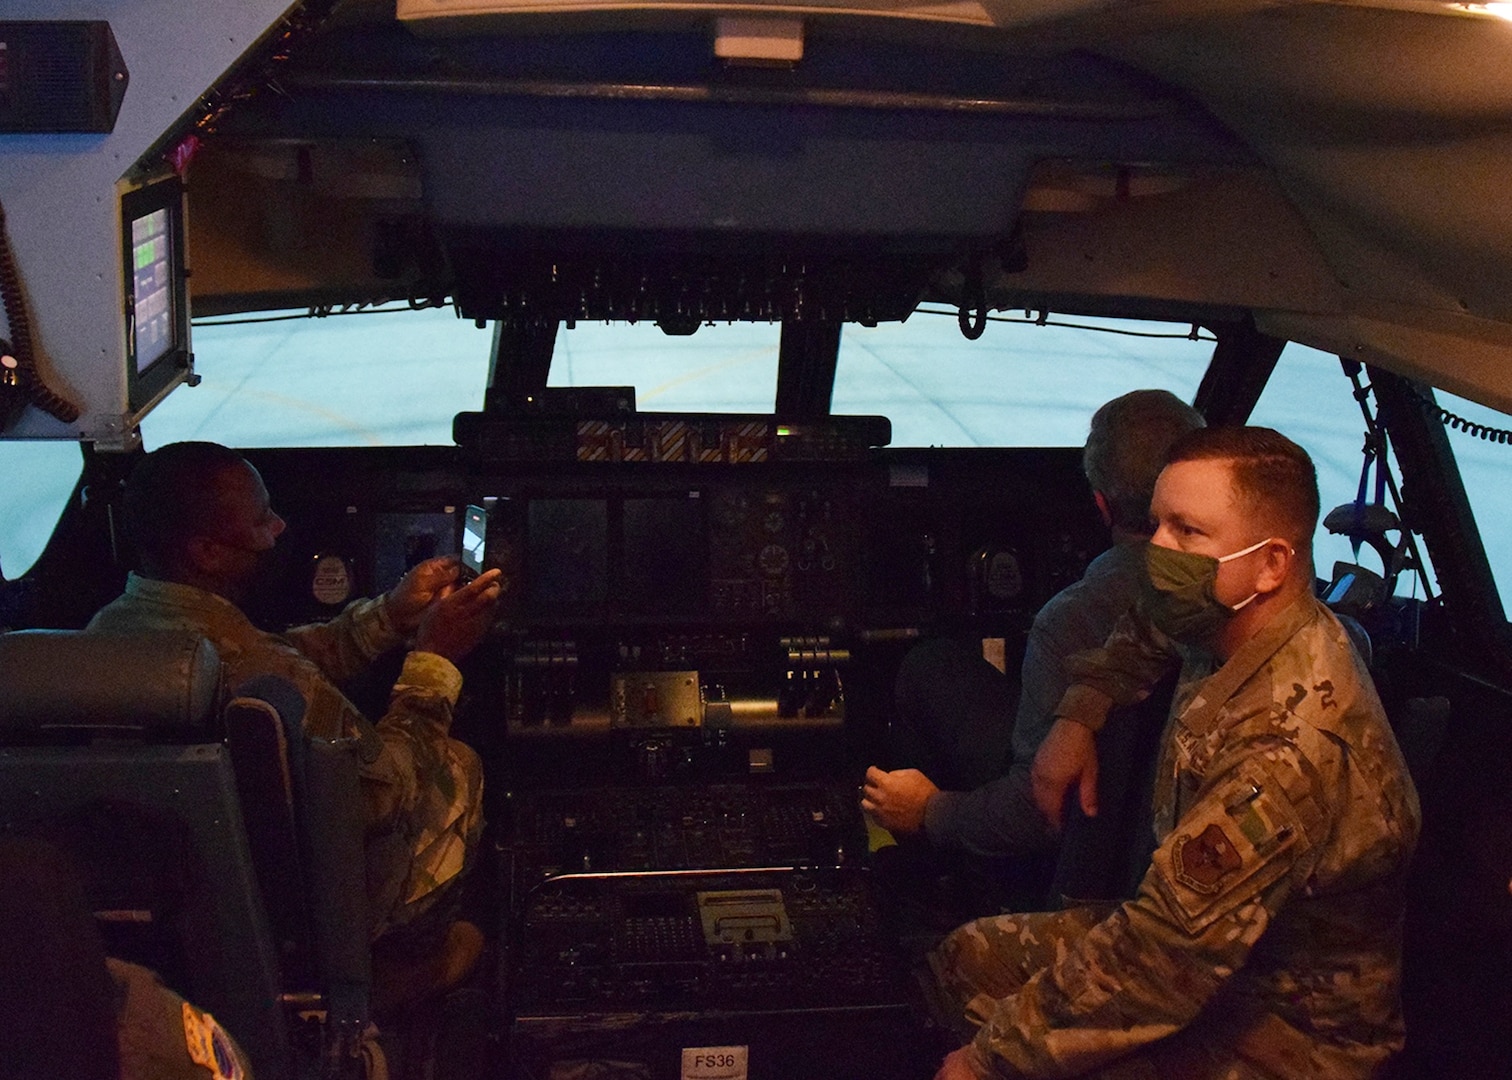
1265, 940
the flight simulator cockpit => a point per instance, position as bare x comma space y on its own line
704, 612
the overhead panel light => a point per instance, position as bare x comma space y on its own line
758, 40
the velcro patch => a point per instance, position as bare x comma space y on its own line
1231, 844
1201, 862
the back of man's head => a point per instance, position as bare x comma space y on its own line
171, 496
1274, 480
1126, 449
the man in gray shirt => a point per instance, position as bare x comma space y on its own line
970, 788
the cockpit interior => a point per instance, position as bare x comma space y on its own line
704, 613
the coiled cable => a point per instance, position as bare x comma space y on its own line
1457, 422
24, 374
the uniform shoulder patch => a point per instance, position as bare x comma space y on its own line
1202, 862
209, 1046
1241, 836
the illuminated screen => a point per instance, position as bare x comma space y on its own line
474, 534
151, 291
154, 286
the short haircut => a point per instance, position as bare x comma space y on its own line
1126, 449
171, 496
1273, 477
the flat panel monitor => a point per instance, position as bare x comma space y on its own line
567, 554
156, 293
403, 540
665, 566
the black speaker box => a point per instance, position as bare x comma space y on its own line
60, 77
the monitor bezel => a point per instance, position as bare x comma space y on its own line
145, 386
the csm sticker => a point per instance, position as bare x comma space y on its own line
715, 1062
331, 581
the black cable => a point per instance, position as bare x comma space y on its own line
1042, 320
973, 303
1457, 422
14, 300
1376, 441
321, 313
417, 305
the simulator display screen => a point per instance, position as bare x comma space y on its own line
665, 567
151, 295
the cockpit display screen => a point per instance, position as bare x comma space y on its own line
151, 292
401, 541
154, 283
567, 554
665, 563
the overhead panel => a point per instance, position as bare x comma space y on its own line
440, 11
1386, 127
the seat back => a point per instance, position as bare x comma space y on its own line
109, 747
307, 841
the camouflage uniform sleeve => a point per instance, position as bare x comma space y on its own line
413, 734
422, 793
1245, 845
343, 647
1122, 671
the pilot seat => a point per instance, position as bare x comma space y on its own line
220, 845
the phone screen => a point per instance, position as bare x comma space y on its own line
474, 536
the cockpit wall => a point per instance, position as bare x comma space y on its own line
1220, 164
1336, 174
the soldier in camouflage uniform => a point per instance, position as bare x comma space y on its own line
200, 519
1265, 940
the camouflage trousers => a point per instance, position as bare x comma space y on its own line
993, 958
416, 875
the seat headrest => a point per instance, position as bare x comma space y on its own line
70, 684
1359, 637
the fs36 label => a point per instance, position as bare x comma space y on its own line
714, 1062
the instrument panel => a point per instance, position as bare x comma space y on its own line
899, 538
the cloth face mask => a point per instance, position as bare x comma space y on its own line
1179, 596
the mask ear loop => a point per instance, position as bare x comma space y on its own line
1249, 550
1241, 605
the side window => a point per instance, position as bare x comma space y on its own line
1311, 401
1483, 466
1020, 384
38, 479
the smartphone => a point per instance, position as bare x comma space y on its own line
474, 541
